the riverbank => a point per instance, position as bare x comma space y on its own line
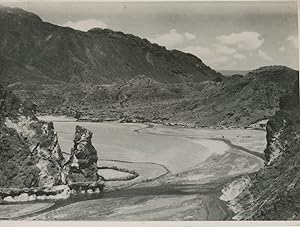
65, 118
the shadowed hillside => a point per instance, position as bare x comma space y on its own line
35, 51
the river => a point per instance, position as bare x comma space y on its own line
181, 171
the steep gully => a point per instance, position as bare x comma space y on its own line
209, 189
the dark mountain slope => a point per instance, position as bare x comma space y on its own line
33, 49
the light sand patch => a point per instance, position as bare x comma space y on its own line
231, 163
146, 171
16, 210
156, 209
213, 146
251, 139
111, 174
233, 189
56, 118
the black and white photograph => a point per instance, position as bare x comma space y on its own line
149, 111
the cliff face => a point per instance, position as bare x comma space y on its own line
274, 192
31, 158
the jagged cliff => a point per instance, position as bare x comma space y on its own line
274, 192
30, 154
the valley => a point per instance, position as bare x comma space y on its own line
97, 124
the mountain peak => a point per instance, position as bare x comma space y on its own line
16, 12
18, 16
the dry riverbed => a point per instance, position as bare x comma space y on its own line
180, 172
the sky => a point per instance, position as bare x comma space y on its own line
224, 35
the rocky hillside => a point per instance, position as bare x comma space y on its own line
33, 51
274, 192
237, 101
233, 102
31, 157
30, 153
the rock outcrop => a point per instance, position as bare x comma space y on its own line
32, 164
82, 165
274, 192
30, 153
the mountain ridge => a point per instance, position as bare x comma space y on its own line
96, 56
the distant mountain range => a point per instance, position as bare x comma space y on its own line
32, 50
106, 75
